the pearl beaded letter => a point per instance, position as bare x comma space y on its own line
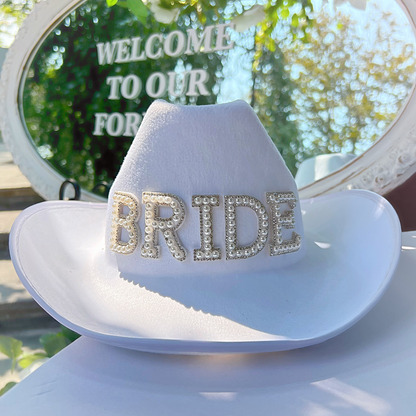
205, 204
233, 252
128, 222
285, 219
167, 226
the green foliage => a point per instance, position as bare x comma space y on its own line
52, 344
70, 335
348, 89
273, 104
138, 9
12, 348
65, 87
57, 101
29, 359
282, 11
135, 6
7, 387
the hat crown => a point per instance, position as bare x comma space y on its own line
216, 151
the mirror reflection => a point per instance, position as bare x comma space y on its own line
323, 77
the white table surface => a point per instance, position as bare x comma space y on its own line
368, 370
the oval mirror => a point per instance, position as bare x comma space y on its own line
323, 78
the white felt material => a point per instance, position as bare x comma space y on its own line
353, 246
204, 150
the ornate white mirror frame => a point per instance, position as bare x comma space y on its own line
383, 167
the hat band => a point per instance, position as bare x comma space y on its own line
167, 227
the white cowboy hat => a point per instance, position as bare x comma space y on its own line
161, 268
317, 167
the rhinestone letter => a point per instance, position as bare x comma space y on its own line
285, 219
233, 252
205, 204
167, 226
128, 222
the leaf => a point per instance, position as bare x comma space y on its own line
295, 20
68, 333
138, 9
271, 44
30, 358
221, 3
202, 17
123, 4
111, 3
7, 387
285, 13
53, 343
11, 347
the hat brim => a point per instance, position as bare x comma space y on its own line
353, 245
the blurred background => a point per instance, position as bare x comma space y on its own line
324, 77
